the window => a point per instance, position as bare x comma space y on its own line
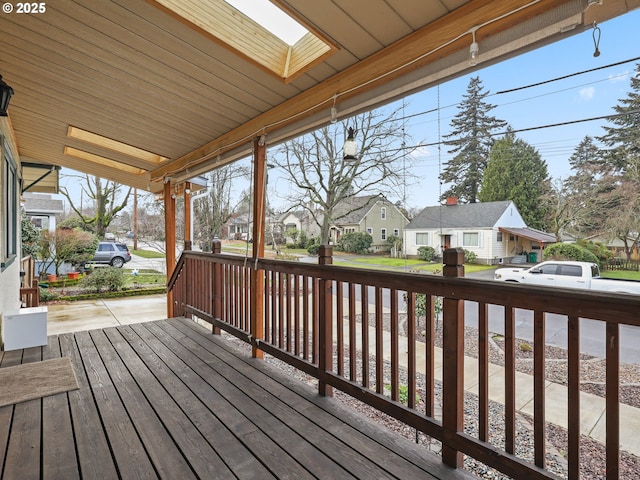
370, 230
383, 234
570, 270
499, 237
470, 239
396, 232
383, 213
9, 207
422, 238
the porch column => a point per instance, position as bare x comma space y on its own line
325, 333
170, 238
187, 216
257, 277
453, 357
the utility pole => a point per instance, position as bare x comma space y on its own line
135, 219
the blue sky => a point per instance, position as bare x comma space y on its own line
579, 97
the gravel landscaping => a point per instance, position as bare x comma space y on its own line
592, 380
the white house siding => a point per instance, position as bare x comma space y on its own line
10, 273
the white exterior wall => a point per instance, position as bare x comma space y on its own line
10, 275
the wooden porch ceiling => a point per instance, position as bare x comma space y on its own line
137, 78
169, 400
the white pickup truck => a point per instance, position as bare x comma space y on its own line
566, 274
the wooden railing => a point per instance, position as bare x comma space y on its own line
328, 321
29, 290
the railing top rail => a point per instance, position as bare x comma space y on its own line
606, 306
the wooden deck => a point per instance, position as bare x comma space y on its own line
169, 400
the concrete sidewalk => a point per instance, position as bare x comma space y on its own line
103, 313
96, 314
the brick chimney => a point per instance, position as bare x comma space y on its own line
452, 201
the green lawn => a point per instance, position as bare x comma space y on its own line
148, 253
621, 274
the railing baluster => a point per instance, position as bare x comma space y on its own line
296, 314
379, 340
613, 400
305, 317
352, 333
411, 349
365, 334
483, 373
395, 377
573, 385
509, 380
429, 357
539, 418
340, 327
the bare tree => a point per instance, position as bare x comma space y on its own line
213, 210
106, 199
322, 179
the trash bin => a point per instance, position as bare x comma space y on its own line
533, 257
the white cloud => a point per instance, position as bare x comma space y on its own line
587, 93
619, 77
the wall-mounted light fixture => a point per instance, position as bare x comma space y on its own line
474, 49
5, 95
350, 146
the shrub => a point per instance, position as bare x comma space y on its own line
313, 246
426, 253
355, 242
599, 249
111, 278
569, 251
46, 295
469, 257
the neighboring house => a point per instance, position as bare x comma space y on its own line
41, 209
299, 220
237, 228
494, 231
372, 214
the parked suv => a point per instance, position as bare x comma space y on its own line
114, 253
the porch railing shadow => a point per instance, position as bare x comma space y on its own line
343, 326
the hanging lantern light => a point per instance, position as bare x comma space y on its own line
350, 146
5, 95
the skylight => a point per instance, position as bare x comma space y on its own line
258, 30
265, 13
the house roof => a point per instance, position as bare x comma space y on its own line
352, 210
531, 234
140, 93
42, 204
468, 215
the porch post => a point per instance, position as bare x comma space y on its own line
170, 238
187, 216
325, 312
257, 277
453, 358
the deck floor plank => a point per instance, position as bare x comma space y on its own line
23, 450
59, 458
256, 406
171, 373
349, 456
94, 453
128, 449
168, 399
202, 458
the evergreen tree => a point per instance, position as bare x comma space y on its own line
623, 138
621, 165
471, 139
516, 171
